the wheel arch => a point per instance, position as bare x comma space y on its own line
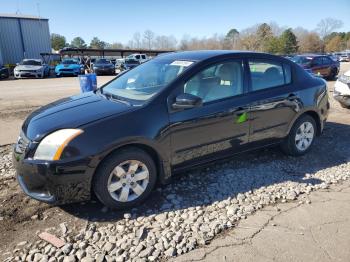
163, 169
314, 115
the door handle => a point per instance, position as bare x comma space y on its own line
292, 97
238, 111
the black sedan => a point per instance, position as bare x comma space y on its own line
103, 67
4, 72
164, 116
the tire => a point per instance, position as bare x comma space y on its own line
290, 145
125, 182
333, 74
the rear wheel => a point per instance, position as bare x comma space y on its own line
301, 136
125, 178
333, 74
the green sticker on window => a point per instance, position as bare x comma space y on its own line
242, 118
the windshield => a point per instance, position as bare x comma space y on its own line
69, 62
31, 62
147, 79
102, 61
131, 61
301, 60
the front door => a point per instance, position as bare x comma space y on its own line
221, 124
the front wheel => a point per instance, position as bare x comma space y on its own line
125, 179
301, 137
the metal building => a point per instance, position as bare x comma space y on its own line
23, 37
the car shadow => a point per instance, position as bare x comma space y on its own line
227, 178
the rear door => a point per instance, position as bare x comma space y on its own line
318, 67
221, 124
273, 100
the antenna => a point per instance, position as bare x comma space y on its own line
38, 8
17, 10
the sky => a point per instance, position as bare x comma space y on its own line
117, 21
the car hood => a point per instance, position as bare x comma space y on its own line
28, 67
70, 112
71, 66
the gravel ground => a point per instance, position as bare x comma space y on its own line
198, 206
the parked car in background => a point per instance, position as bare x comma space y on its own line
4, 72
139, 57
342, 90
171, 113
319, 64
69, 66
103, 66
130, 63
119, 65
344, 58
31, 68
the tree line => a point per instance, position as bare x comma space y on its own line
264, 37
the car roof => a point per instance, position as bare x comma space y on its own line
203, 54
311, 55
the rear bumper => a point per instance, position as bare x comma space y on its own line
54, 183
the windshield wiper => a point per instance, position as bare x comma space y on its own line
117, 98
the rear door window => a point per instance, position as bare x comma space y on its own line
317, 61
326, 60
267, 74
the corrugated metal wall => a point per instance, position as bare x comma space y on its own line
35, 39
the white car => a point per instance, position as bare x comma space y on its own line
31, 68
342, 90
139, 57
344, 58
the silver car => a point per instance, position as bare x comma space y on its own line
31, 68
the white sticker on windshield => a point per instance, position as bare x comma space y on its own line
181, 63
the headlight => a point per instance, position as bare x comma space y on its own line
52, 146
344, 79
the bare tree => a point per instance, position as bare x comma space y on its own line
137, 40
310, 42
148, 36
328, 25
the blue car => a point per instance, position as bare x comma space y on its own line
69, 67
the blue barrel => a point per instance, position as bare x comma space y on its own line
88, 82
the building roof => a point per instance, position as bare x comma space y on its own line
20, 16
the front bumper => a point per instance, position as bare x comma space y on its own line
104, 71
25, 74
342, 99
342, 93
54, 182
68, 72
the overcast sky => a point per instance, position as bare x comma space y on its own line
117, 21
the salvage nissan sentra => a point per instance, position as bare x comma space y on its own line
173, 112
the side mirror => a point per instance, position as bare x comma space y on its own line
17, 64
184, 101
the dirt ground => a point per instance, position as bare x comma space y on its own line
21, 217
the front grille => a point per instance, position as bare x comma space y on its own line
22, 143
66, 70
27, 71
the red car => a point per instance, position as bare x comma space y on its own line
319, 65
